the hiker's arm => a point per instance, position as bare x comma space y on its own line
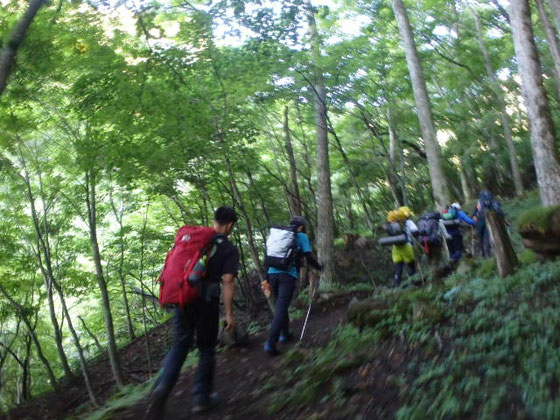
463, 216
229, 290
312, 261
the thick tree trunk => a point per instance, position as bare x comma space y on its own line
500, 100
325, 217
9, 52
106, 304
295, 198
504, 253
433, 152
553, 46
543, 135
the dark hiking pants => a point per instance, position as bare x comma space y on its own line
283, 287
399, 268
455, 245
201, 317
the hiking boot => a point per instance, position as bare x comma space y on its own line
286, 338
203, 402
156, 405
273, 351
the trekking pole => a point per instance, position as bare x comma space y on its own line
313, 281
305, 322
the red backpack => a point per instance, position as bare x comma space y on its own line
185, 265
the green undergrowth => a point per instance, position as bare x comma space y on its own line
538, 219
479, 346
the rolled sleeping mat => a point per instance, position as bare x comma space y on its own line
393, 240
454, 223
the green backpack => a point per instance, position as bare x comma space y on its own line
451, 214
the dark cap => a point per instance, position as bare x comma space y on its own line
298, 221
225, 215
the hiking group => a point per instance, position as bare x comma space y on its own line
203, 257
439, 237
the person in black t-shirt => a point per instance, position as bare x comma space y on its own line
201, 317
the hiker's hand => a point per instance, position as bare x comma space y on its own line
265, 287
230, 323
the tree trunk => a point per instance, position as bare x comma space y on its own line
553, 46
119, 216
9, 52
109, 327
79, 349
394, 151
499, 95
22, 313
325, 217
506, 259
92, 336
295, 198
433, 152
249, 228
353, 179
543, 136
43, 252
555, 7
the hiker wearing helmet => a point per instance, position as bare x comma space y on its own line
403, 253
285, 248
455, 243
201, 317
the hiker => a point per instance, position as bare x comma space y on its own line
455, 244
432, 235
201, 317
485, 202
399, 223
282, 281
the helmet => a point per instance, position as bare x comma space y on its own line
406, 212
456, 206
298, 221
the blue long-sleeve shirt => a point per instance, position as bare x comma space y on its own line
461, 215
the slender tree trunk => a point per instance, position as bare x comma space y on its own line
543, 135
100, 349
555, 7
504, 116
394, 151
553, 46
325, 216
79, 349
106, 304
9, 51
22, 313
45, 264
295, 198
253, 250
353, 179
119, 214
433, 152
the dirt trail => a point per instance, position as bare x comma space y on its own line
242, 372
